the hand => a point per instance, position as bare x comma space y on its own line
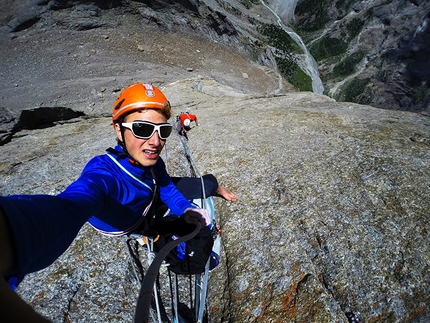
192, 215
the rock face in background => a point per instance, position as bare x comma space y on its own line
369, 52
52, 66
332, 217
333, 212
372, 52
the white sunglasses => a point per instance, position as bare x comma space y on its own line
146, 129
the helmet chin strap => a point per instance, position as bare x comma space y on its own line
124, 147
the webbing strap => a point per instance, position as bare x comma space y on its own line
145, 212
196, 169
145, 294
128, 173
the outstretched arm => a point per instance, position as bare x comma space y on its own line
12, 307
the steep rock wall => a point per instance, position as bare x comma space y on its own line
332, 216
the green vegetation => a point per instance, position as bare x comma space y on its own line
232, 10
228, 7
356, 91
294, 74
249, 3
344, 5
369, 13
420, 93
313, 13
328, 47
255, 50
354, 27
278, 38
401, 6
348, 65
252, 20
284, 56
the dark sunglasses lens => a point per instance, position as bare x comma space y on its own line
143, 129
165, 131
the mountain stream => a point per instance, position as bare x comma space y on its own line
309, 65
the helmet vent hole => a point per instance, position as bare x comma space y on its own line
119, 104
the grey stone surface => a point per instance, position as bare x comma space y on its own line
334, 197
332, 216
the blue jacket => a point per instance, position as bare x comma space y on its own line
116, 192
111, 194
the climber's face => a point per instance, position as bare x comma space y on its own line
152, 128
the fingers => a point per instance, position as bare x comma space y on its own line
190, 219
192, 215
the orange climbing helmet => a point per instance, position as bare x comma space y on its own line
138, 97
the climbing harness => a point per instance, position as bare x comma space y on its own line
148, 283
153, 304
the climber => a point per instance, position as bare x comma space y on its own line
114, 194
185, 120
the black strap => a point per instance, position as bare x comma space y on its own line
145, 295
117, 153
150, 217
147, 224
